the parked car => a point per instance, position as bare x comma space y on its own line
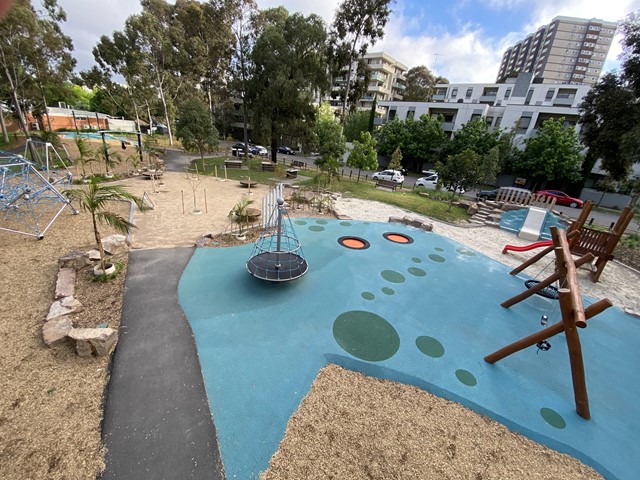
516, 193
431, 182
285, 150
392, 175
258, 150
237, 150
562, 198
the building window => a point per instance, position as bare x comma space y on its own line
392, 114
411, 113
529, 95
550, 93
498, 122
523, 124
507, 94
469, 92
454, 92
475, 116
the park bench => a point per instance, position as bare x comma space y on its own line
292, 173
233, 163
388, 184
267, 166
298, 164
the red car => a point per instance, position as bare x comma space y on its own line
562, 198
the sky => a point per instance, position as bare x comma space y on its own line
461, 40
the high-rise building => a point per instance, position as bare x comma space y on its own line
568, 50
387, 80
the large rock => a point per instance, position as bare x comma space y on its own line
75, 259
64, 306
115, 244
66, 283
93, 341
55, 332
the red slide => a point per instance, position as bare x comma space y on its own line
524, 248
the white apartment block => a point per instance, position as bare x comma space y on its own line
503, 105
567, 51
387, 80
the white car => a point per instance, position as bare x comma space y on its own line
431, 182
393, 175
258, 150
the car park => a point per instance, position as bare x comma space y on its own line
562, 198
285, 150
391, 175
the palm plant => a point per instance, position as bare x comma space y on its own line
239, 213
109, 157
85, 153
95, 199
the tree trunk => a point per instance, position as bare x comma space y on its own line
5, 134
164, 106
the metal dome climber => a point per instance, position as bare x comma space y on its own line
29, 202
277, 254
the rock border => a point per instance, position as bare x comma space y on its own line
58, 328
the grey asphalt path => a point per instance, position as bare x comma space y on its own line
157, 422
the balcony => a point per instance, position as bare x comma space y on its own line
438, 97
447, 126
399, 86
563, 101
378, 76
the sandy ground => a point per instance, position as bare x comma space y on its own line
50, 399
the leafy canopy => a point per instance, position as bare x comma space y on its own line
195, 128
364, 155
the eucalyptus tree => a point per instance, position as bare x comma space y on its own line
357, 23
420, 83
205, 51
34, 54
245, 25
53, 64
289, 60
152, 35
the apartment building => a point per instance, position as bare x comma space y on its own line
387, 81
566, 51
520, 103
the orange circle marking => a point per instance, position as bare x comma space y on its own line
394, 237
353, 243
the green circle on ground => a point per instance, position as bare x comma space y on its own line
321, 222
417, 272
388, 291
436, 258
553, 418
464, 251
345, 224
416, 260
439, 249
300, 222
392, 276
466, 377
430, 346
368, 295
366, 335
316, 228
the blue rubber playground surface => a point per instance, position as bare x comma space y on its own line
424, 312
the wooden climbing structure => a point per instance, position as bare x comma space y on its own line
585, 240
574, 315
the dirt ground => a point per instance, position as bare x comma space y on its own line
51, 399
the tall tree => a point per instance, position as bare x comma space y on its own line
289, 60
421, 83
34, 54
331, 141
461, 172
195, 128
357, 23
364, 155
475, 135
554, 153
355, 123
245, 26
610, 116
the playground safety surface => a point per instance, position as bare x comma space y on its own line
424, 313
